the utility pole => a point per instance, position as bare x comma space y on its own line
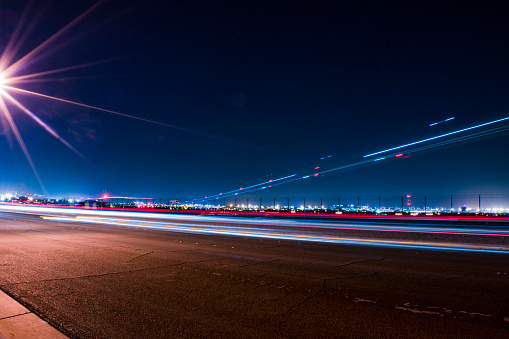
358, 203
425, 203
379, 202
451, 202
479, 203
321, 203
288, 203
401, 203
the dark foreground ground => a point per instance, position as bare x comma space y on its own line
103, 281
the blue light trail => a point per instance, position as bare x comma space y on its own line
439, 122
439, 143
437, 137
292, 230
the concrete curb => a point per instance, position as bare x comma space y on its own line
16, 321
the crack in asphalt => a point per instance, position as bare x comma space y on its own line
139, 256
360, 261
260, 276
298, 304
260, 262
457, 277
106, 274
324, 286
350, 277
270, 247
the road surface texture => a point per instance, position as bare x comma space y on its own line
95, 279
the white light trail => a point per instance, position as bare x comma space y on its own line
441, 143
280, 229
438, 137
439, 122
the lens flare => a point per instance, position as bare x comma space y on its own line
13, 73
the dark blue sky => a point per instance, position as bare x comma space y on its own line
287, 83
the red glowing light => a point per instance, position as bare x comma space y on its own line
316, 175
399, 155
220, 193
241, 188
270, 180
105, 194
317, 167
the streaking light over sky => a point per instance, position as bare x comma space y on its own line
439, 122
439, 136
174, 100
495, 127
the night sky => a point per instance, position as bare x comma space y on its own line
268, 87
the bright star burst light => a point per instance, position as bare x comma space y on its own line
14, 73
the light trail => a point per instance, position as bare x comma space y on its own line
439, 122
282, 229
437, 137
250, 187
440, 143
464, 138
381, 225
270, 234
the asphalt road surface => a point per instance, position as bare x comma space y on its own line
118, 276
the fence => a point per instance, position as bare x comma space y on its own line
446, 202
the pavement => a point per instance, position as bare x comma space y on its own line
17, 322
98, 280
